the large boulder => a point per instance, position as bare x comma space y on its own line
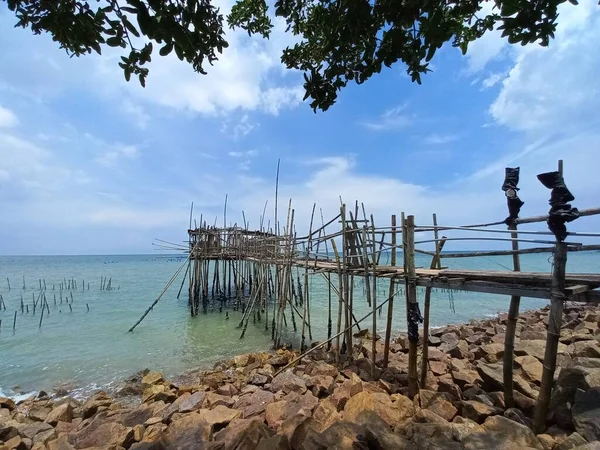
7, 403
535, 348
219, 417
242, 434
102, 433
325, 415
278, 412
190, 432
378, 434
62, 413
501, 433
570, 381
478, 411
255, 403
392, 413
586, 414
287, 382
531, 368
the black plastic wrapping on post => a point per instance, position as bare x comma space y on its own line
414, 319
561, 211
511, 180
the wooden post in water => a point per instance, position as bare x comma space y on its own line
557, 300
388, 328
15, 322
411, 299
8, 281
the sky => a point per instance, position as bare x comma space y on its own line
91, 164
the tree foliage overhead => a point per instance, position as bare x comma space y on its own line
340, 41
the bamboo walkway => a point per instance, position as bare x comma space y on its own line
265, 273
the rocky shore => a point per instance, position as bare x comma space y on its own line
242, 405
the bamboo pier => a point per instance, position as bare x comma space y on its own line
265, 275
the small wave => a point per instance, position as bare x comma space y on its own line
17, 397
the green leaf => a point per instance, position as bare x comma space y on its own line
130, 27
114, 41
164, 51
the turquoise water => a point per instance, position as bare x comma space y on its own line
89, 349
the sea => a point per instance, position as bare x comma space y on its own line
82, 341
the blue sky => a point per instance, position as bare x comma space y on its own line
92, 164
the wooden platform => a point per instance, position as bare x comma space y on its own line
579, 286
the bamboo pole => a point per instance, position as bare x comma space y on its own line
388, 327
552, 337
554, 324
374, 300
411, 297
511, 326
340, 301
435, 263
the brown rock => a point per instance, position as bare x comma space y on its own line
392, 413
501, 434
321, 368
531, 368
462, 427
102, 433
573, 441
278, 360
288, 382
586, 349
39, 413
228, 389
492, 376
152, 378
586, 414
31, 430
258, 379
255, 403
190, 402
90, 407
535, 348
378, 434
547, 441
434, 436
219, 416
292, 404
435, 354
493, 352
243, 434
188, 432
60, 444
464, 377
427, 416
7, 403
44, 437
438, 367
154, 432
325, 415
213, 400
138, 432
478, 411
322, 385
62, 413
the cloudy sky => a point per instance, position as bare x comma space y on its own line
91, 164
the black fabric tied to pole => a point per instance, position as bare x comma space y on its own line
414, 319
511, 180
561, 211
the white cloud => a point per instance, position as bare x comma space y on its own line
116, 153
246, 154
492, 80
555, 89
8, 119
440, 139
392, 119
248, 76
